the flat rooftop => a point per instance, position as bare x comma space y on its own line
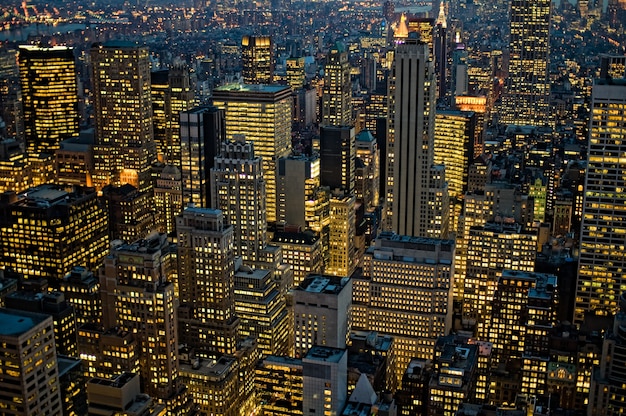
243, 88
322, 284
15, 323
326, 354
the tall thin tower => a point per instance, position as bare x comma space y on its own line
337, 92
416, 190
527, 95
50, 96
602, 259
257, 55
125, 147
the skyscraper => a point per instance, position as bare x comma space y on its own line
49, 96
337, 157
257, 55
238, 190
48, 230
262, 114
171, 94
29, 364
125, 147
206, 282
202, 132
602, 261
527, 93
417, 194
337, 91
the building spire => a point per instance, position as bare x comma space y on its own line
441, 19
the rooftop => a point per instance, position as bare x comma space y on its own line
16, 323
327, 354
260, 88
323, 284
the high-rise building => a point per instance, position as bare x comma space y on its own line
262, 114
367, 170
295, 73
238, 190
15, 171
341, 233
279, 385
440, 51
49, 96
120, 393
48, 230
405, 291
492, 248
107, 353
55, 305
131, 213
337, 91
206, 282
168, 198
321, 312
454, 148
202, 132
125, 147
417, 195
602, 259
82, 290
524, 314
138, 296
325, 380
302, 251
527, 94
257, 56
171, 93
262, 311
337, 157
30, 374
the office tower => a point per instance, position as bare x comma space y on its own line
73, 385
47, 231
478, 105
168, 198
202, 131
206, 282
125, 148
341, 233
416, 191
295, 73
29, 370
257, 58
262, 114
527, 94
321, 312
15, 170
171, 93
8, 284
607, 394
73, 160
55, 305
131, 213
107, 353
455, 370
367, 170
213, 385
238, 190
337, 157
325, 381
49, 96
120, 394
82, 290
537, 190
337, 90
298, 182
601, 259
424, 28
262, 311
138, 297
279, 385
302, 251
492, 248
454, 148
416, 274
523, 316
